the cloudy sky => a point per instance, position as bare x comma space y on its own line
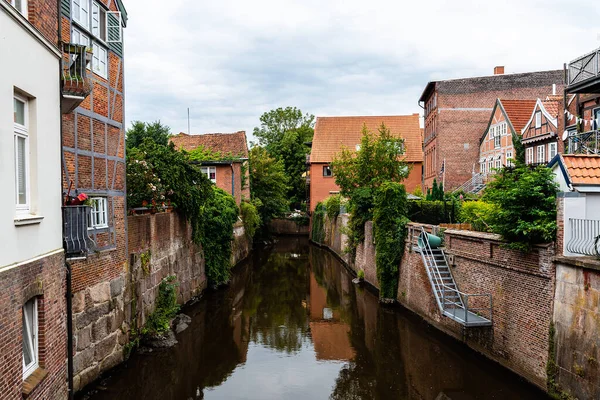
229, 61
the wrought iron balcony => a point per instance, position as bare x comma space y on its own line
583, 143
584, 74
585, 237
76, 85
76, 240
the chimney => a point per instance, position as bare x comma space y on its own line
499, 70
554, 89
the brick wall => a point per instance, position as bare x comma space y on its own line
44, 279
282, 226
224, 181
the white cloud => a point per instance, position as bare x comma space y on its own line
230, 60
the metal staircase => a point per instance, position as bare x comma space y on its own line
473, 185
453, 303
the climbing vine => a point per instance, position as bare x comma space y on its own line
389, 224
166, 307
318, 223
250, 217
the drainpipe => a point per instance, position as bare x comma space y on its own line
69, 293
232, 180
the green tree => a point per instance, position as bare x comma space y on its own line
139, 131
284, 133
268, 184
519, 155
526, 205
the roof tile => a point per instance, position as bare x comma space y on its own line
583, 169
225, 143
518, 111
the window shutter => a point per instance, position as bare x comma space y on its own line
115, 31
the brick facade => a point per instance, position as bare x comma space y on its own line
458, 111
44, 279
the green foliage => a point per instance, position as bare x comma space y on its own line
145, 258
418, 192
154, 131
436, 193
250, 217
283, 133
389, 226
166, 307
318, 224
479, 214
380, 159
526, 201
332, 205
361, 274
519, 153
215, 233
434, 212
144, 187
269, 184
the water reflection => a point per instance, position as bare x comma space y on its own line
293, 326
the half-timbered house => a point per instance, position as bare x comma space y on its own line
541, 133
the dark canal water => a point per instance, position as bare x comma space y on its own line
293, 326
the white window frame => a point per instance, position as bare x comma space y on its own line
482, 168
30, 333
22, 132
509, 157
77, 6
24, 7
207, 171
498, 163
99, 60
540, 154
538, 119
99, 213
552, 150
529, 155
115, 29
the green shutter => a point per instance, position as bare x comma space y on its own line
117, 48
65, 7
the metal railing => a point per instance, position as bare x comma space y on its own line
473, 185
75, 81
452, 302
584, 68
583, 143
76, 240
585, 237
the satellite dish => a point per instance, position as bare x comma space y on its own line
565, 135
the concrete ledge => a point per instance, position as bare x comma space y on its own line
588, 262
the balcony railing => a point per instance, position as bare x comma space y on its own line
583, 143
585, 237
76, 240
76, 85
584, 73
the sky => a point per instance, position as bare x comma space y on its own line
230, 61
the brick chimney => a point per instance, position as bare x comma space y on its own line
499, 70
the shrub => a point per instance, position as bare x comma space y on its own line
361, 274
250, 217
434, 212
218, 215
318, 224
389, 225
332, 206
166, 307
479, 214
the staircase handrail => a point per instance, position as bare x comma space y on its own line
468, 185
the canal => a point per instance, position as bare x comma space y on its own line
292, 325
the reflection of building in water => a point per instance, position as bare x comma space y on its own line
330, 335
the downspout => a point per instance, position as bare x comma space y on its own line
69, 292
232, 180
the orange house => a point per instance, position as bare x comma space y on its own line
334, 133
226, 174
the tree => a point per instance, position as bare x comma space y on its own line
155, 131
268, 184
283, 133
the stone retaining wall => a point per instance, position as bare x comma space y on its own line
281, 226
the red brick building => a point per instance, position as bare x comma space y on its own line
226, 173
541, 137
334, 133
457, 111
496, 145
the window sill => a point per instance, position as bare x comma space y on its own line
33, 381
28, 219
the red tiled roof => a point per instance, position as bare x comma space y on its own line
552, 107
518, 111
225, 143
333, 133
583, 169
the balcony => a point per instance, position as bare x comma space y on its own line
584, 237
584, 74
76, 85
76, 240
583, 143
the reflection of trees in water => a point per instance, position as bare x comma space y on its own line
274, 303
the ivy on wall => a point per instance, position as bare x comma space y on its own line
318, 223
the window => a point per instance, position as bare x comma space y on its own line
538, 119
541, 154
79, 38
98, 21
30, 337
327, 170
552, 150
498, 163
21, 139
482, 167
596, 121
210, 172
497, 137
509, 157
99, 213
81, 12
529, 155
490, 167
21, 6
99, 60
